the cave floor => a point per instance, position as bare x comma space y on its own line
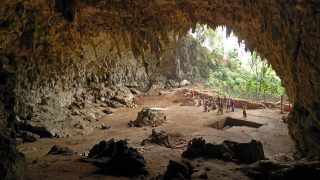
190, 121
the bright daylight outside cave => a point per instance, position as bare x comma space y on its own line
159, 89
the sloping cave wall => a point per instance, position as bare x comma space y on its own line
49, 49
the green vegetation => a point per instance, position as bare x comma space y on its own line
253, 79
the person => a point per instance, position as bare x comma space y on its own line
199, 102
232, 105
220, 107
244, 112
228, 104
205, 105
225, 101
214, 105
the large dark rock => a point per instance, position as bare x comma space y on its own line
268, 170
103, 149
227, 151
116, 158
178, 170
58, 150
28, 136
41, 131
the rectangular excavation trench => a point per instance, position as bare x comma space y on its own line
229, 122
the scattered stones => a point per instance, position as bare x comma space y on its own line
75, 112
108, 111
184, 83
284, 118
297, 155
203, 175
90, 117
135, 91
227, 151
267, 170
78, 125
114, 104
116, 158
178, 170
28, 136
148, 117
57, 150
103, 126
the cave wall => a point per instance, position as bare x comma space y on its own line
48, 45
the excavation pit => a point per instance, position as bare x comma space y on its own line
229, 122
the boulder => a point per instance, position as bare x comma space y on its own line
108, 111
178, 170
124, 96
103, 126
135, 91
116, 158
148, 117
43, 132
114, 104
227, 151
184, 83
57, 150
27, 136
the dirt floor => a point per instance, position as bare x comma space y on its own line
190, 121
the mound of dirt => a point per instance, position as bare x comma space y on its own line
227, 151
148, 117
116, 158
170, 140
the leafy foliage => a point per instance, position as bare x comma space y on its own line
230, 77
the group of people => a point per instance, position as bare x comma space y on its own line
218, 104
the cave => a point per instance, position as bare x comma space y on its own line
51, 50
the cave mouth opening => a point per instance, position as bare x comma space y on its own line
233, 69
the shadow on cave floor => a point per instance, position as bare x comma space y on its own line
190, 121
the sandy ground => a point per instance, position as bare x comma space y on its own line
190, 121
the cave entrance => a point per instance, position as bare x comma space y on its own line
229, 68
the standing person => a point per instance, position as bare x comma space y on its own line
220, 107
244, 112
225, 100
228, 104
205, 105
232, 105
214, 105
199, 102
